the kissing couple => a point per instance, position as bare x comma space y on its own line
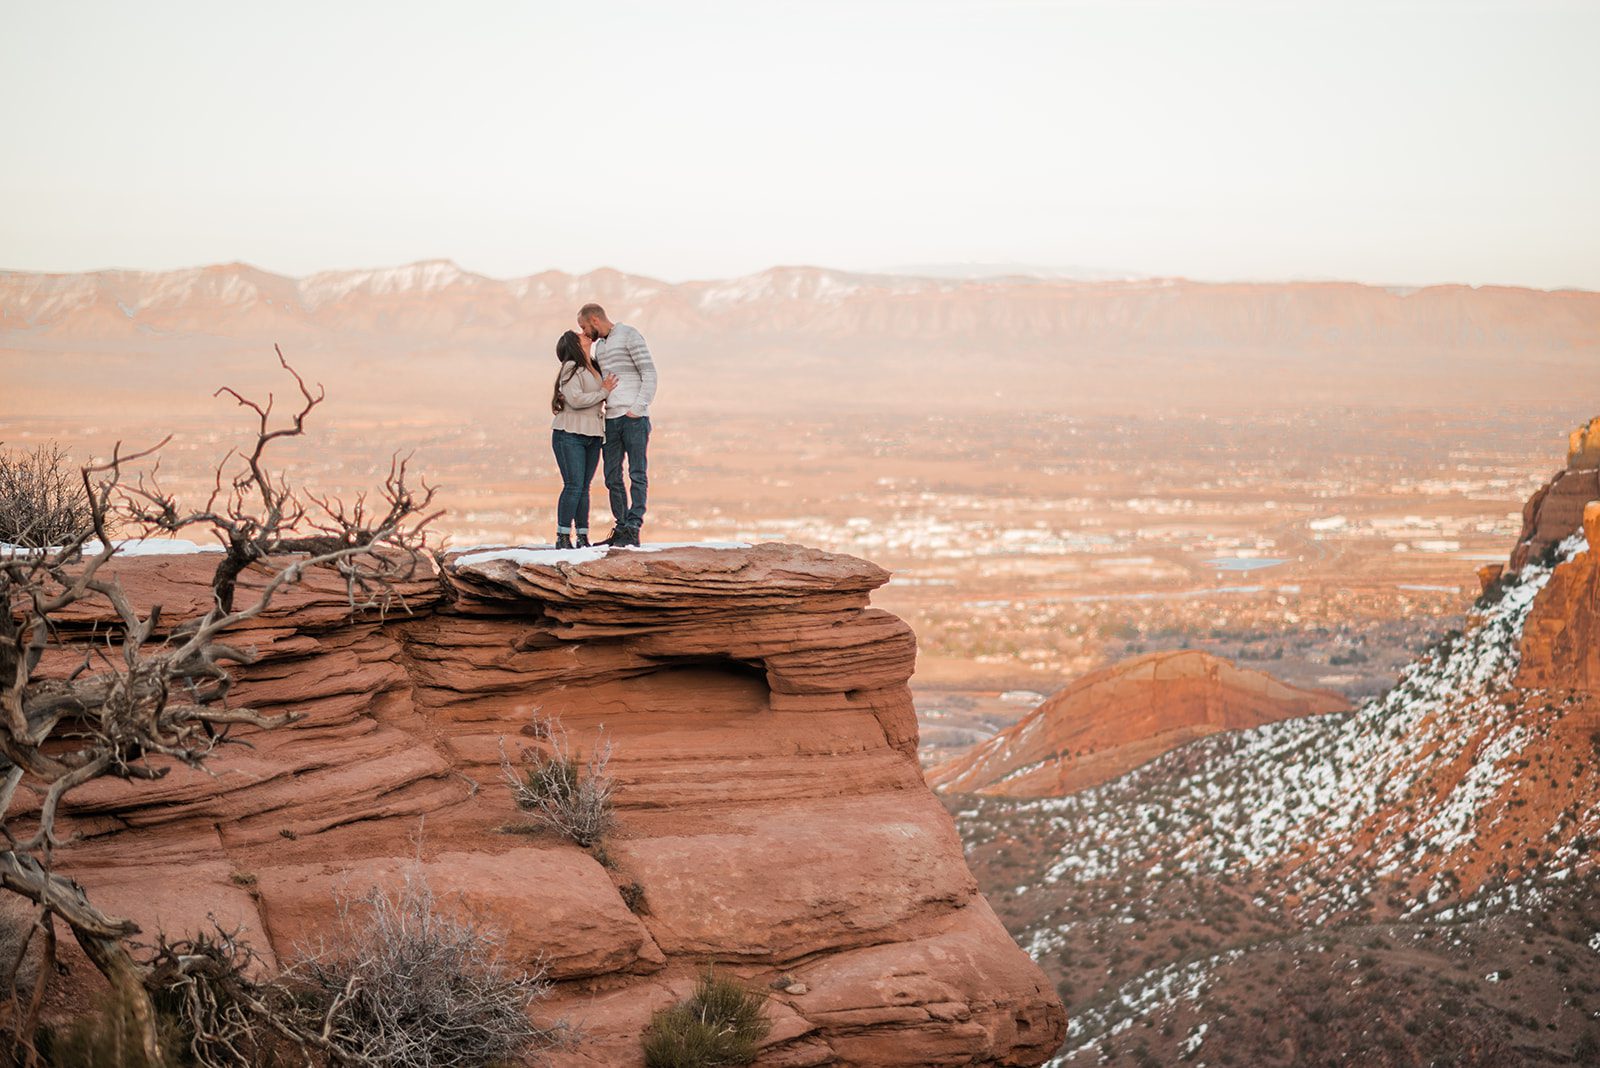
602, 408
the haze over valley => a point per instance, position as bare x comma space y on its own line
1119, 588
1299, 477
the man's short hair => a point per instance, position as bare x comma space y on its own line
591, 311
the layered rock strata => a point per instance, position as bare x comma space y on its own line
1111, 721
770, 805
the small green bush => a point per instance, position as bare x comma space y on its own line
633, 897
548, 779
720, 1025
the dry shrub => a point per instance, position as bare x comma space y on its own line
225, 1018
406, 985
399, 985
559, 791
720, 1024
42, 502
634, 897
19, 948
109, 1036
149, 692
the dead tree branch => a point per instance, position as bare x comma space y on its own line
152, 693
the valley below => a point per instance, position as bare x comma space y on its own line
1387, 859
1410, 882
1324, 548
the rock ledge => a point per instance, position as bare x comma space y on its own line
770, 801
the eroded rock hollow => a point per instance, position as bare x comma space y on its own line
771, 806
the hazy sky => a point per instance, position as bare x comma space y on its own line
1385, 142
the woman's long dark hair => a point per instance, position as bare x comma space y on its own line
569, 350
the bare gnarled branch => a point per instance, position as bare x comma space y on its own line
149, 693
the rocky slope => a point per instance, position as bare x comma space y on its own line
1111, 721
1413, 882
771, 806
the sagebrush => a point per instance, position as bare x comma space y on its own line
560, 791
400, 984
407, 984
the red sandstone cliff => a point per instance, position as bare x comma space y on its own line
770, 801
1561, 640
1113, 720
1556, 509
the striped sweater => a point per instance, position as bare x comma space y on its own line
623, 353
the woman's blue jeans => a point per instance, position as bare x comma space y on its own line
577, 455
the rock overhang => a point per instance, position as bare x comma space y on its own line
800, 778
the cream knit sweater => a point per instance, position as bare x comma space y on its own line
586, 404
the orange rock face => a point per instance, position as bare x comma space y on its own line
1583, 446
1555, 510
1561, 640
770, 804
1488, 575
1111, 721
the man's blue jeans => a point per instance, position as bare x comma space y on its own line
627, 438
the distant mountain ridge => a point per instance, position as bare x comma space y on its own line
802, 339
438, 298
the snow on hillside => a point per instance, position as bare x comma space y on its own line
1324, 784
36, 299
1313, 824
814, 284
429, 276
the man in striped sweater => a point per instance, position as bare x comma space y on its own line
620, 350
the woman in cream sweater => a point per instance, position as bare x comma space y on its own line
576, 434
